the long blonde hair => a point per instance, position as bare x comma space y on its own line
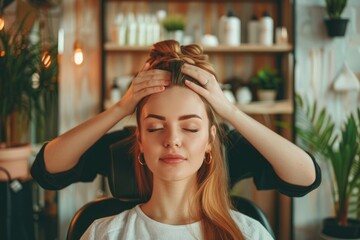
211, 202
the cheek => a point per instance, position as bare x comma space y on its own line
150, 143
196, 146
196, 152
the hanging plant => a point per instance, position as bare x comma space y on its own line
335, 24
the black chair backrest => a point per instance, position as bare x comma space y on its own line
122, 181
101, 207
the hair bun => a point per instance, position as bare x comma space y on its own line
170, 50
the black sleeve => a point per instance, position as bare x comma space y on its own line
244, 161
96, 160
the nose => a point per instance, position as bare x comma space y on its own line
172, 138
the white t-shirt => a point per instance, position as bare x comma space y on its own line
134, 224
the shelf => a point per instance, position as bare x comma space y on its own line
277, 107
243, 48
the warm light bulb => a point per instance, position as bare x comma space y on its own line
78, 56
46, 59
2, 23
78, 53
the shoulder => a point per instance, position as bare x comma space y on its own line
250, 228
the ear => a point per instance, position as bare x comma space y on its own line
211, 137
138, 140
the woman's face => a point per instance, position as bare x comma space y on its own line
174, 133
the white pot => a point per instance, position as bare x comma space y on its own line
15, 161
243, 95
176, 35
266, 95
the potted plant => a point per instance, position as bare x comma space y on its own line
341, 150
26, 70
267, 83
174, 26
336, 26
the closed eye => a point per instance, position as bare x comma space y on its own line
191, 130
153, 129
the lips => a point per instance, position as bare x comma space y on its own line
172, 158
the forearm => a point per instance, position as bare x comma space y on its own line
64, 152
291, 163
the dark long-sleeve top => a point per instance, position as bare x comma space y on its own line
244, 161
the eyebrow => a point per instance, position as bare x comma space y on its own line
184, 117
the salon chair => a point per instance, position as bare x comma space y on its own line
123, 188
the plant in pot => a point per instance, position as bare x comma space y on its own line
174, 26
267, 82
340, 149
336, 26
24, 77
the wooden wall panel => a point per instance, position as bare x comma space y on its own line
79, 94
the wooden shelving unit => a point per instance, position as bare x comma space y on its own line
243, 48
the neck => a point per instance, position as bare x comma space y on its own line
170, 201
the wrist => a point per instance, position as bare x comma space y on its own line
236, 116
228, 112
119, 111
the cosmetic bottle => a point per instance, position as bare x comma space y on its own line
160, 16
131, 29
253, 30
121, 29
141, 29
156, 30
229, 30
266, 29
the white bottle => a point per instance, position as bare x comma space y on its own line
141, 30
253, 30
156, 30
266, 30
121, 30
229, 30
160, 16
131, 30
221, 32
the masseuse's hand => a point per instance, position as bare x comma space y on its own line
145, 83
210, 90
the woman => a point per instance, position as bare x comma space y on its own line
180, 169
147, 92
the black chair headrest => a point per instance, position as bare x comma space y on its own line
122, 180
